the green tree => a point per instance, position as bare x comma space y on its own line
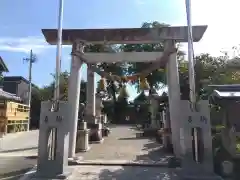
35, 108
157, 78
47, 92
114, 68
208, 70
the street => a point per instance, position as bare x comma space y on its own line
17, 154
12, 168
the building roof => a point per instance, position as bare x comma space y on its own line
17, 78
226, 87
124, 35
7, 95
3, 66
226, 91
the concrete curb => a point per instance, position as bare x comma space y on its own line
76, 161
27, 175
30, 175
117, 163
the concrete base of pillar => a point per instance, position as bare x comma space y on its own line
95, 135
150, 132
84, 150
82, 144
58, 177
34, 175
74, 159
167, 144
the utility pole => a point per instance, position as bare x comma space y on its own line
31, 59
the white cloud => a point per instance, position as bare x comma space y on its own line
223, 28
23, 44
139, 2
220, 15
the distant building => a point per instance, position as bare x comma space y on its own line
17, 85
16, 89
4, 94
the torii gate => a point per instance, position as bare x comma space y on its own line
79, 37
75, 37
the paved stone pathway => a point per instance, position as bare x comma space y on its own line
123, 146
113, 173
122, 173
122, 156
120, 149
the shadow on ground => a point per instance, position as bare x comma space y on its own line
155, 154
139, 173
133, 138
31, 157
14, 175
151, 162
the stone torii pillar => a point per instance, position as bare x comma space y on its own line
94, 126
73, 98
174, 98
120, 36
91, 97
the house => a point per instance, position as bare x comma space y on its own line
4, 94
17, 85
14, 116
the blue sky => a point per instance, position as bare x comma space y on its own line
22, 21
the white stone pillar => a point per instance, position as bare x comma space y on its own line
153, 110
73, 98
164, 120
94, 126
91, 97
174, 98
98, 102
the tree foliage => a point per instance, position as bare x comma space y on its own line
208, 69
115, 68
47, 92
157, 78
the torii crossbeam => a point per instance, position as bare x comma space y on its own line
168, 35
124, 35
